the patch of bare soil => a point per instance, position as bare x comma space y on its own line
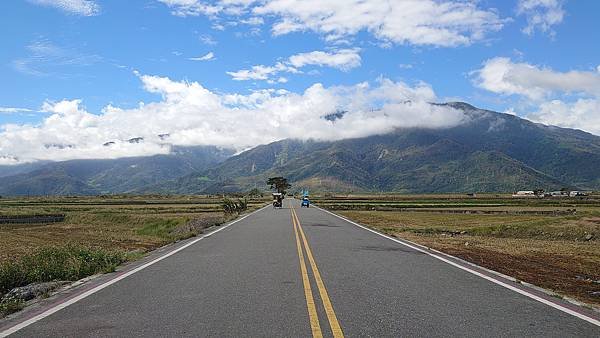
592, 220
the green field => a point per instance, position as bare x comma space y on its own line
552, 242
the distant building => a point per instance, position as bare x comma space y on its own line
524, 193
559, 193
578, 193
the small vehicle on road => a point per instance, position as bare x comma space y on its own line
277, 200
305, 202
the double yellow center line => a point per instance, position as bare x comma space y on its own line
310, 303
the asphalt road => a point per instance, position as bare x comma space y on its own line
276, 275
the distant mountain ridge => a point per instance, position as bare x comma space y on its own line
106, 176
490, 152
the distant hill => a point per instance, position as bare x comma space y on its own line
491, 152
91, 177
10, 170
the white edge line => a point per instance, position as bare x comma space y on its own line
90, 292
476, 273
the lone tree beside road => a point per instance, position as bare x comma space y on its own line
279, 183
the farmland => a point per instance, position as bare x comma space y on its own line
47, 240
553, 243
127, 223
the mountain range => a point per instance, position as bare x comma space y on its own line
489, 152
107, 176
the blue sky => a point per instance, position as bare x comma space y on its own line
68, 60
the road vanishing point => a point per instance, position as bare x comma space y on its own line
301, 272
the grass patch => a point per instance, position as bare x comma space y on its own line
11, 306
160, 228
68, 263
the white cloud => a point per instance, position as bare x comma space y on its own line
77, 7
541, 14
582, 114
13, 110
419, 22
344, 59
500, 75
260, 72
254, 21
191, 7
207, 40
46, 58
200, 7
566, 99
194, 115
207, 57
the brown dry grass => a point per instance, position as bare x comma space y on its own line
109, 223
549, 251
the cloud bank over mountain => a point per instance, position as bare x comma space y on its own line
189, 114
568, 99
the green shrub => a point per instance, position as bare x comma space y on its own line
230, 206
255, 193
10, 306
242, 204
68, 263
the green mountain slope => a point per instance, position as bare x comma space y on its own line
90, 177
490, 152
